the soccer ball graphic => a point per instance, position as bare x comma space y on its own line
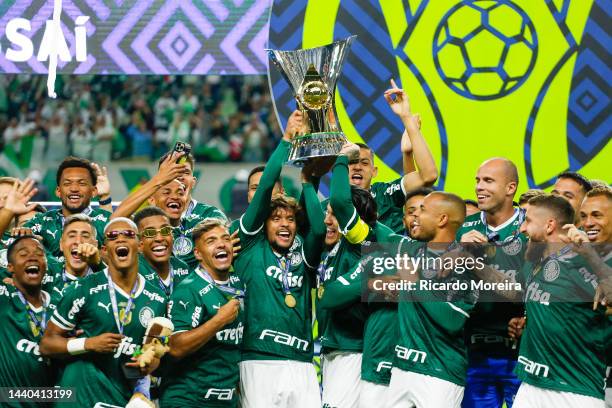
485, 49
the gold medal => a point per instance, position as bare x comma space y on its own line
125, 319
320, 291
290, 300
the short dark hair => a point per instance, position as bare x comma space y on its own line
365, 146
204, 226
529, 194
469, 201
147, 212
11, 247
600, 192
578, 178
189, 157
365, 205
562, 209
422, 191
255, 170
71, 162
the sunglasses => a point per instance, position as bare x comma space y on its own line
113, 235
152, 232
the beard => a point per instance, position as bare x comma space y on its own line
75, 210
535, 251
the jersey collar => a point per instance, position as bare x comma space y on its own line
509, 221
141, 285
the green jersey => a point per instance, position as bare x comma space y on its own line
57, 279
210, 376
50, 225
21, 364
278, 315
487, 329
380, 329
563, 343
178, 271
87, 305
341, 328
390, 199
183, 243
431, 330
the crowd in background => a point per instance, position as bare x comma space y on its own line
103, 118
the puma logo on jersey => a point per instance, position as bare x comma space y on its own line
30, 347
52, 233
184, 304
77, 304
220, 394
105, 307
294, 281
125, 347
284, 338
413, 355
537, 369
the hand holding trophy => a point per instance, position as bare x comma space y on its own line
313, 74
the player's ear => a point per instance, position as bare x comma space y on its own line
375, 172
57, 192
511, 188
151, 201
197, 254
443, 220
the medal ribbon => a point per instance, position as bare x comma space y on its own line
40, 324
167, 289
285, 269
113, 298
491, 234
226, 289
323, 264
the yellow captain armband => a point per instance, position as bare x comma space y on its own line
358, 233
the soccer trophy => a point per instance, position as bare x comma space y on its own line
313, 74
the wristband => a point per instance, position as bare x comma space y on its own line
76, 346
106, 202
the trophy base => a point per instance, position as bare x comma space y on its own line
315, 146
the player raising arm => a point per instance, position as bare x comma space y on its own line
276, 368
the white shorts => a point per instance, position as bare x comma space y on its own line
341, 374
529, 396
608, 397
372, 395
410, 390
278, 384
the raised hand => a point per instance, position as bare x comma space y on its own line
103, 184
295, 125
89, 253
398, 101
228, 312
19, 196
350, 150
170, 170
